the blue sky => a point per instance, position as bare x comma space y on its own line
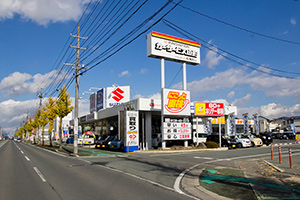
35, 39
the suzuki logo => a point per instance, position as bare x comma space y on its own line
118, 97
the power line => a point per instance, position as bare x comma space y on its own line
240, 28
115, 45
186, 34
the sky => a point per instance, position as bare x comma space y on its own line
249, 52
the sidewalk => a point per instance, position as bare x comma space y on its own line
251, 179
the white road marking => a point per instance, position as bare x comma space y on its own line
206, 158
27, 158
22, 152
39, 173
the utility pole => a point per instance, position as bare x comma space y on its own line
40, 111
77, 69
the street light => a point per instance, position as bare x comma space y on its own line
87, 92
94, 88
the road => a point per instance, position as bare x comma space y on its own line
29, 172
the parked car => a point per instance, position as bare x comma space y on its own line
88, 139
104, 143
287, 135
69, 140
232, 144
117, 145
19, 139
242, 141
266, 138
80, 140
215, 138
201, 137
255, 141
275, 135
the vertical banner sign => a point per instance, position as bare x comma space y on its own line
207, 126
246, 124
132, 130
232, 126
92, 102
256, 123
100, 99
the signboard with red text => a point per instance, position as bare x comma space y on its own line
176, 102
209, 109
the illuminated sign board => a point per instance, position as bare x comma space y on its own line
117, 95
172, 48
209, 109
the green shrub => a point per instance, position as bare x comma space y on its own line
211, 144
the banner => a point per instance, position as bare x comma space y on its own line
132, 130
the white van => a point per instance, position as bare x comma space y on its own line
201, 137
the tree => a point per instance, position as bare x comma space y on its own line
28, 127
63, 108
43, 122
51, 115
36, 123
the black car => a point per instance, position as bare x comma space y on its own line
232, 143
104, 143
266, 138
215, 138
287, 135
275, 135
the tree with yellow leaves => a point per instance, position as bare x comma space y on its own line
51, 115
43, 121
63, 108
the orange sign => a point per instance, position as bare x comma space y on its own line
176, 102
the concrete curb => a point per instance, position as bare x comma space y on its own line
277, 168
190, 183
182, 151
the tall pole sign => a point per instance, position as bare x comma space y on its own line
167, 47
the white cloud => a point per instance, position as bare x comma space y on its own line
18, 83
42, 11
212, 59
13, 113
124, 73
272, 110
231, 95
272, 86
293, 21
242, 101
144, 71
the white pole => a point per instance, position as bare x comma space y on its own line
220, 131
162, 84
197, 130
184, 75
184, 88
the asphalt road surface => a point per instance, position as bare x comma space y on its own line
28, 172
